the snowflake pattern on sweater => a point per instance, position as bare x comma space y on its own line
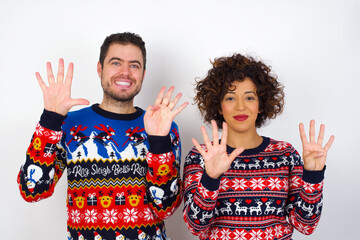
122, 183
265, 194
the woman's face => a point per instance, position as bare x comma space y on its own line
240, 107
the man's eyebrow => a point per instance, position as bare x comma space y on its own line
115, 58
136, 61
121, 60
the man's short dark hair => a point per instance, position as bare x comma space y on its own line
122, 38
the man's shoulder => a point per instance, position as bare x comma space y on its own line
80, 112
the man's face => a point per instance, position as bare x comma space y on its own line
122, 72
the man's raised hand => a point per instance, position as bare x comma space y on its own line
158, 117
57, 96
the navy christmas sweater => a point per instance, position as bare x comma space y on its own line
122, 183
265, 194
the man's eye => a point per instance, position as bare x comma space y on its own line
134, 66
115, 63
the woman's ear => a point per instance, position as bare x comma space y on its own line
259, 107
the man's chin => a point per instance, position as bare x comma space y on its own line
121, 98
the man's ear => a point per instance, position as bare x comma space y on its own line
99, 69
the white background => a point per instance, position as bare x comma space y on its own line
313, 46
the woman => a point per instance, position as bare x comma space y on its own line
246, 186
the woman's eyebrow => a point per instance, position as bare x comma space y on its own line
233, 92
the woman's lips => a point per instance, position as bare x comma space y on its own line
241, 117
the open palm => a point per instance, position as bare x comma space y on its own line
216, 159
314, 154
57, 96
159, 117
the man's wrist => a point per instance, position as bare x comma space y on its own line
159, 144
52, 120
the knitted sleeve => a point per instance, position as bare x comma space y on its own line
304, 203
200, 195
163, 177
45, 160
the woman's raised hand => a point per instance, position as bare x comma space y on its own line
57, 96
314, 154
216, 159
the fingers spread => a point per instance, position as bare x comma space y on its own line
175, 101
312, 131
198, 147
321, 134
302, 134
160, 96
69, 74
206, 137
50, 74
235, 153
215, 133
224, 134
40, 81
329, 143
60, 73
79, 101
168, 95
179, 109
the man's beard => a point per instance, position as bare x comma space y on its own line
118, 96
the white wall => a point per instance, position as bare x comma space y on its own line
313, 46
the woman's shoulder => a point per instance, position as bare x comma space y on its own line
279, 145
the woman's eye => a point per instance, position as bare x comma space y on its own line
229, 99
250, 98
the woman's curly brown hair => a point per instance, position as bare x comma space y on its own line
211, 90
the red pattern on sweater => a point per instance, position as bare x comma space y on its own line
261, 196
105, 196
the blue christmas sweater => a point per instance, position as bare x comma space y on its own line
122, 183
265, 194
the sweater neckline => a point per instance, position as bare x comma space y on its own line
116, 116
252, 151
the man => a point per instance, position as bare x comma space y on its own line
122, 163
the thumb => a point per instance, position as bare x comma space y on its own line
65, 108
79, 101
152, 108
314, 155
236, 153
